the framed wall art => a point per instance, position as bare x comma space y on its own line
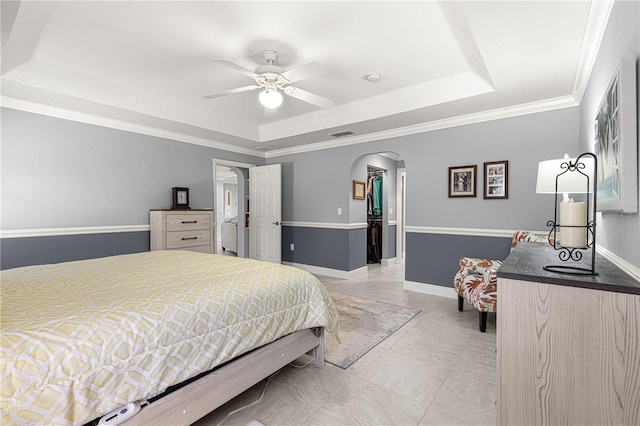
359, 190
496, 180
462, 181
616, 142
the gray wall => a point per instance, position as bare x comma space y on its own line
433, 258
17, 252
618, 233
116, 177
60, 173
327, 248
320, 182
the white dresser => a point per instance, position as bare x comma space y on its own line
182, 229
568, 346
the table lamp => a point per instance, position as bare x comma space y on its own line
573, 227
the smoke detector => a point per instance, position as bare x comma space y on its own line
372, 78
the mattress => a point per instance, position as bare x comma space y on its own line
80, 339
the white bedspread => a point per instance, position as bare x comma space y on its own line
82, 338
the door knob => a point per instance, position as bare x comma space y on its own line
276, 223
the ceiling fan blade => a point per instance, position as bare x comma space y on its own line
236, 67
308, 97
231, 91
305, 71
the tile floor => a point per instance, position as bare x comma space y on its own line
436, 370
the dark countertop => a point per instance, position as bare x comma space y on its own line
527, 260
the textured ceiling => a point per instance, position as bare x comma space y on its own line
149, 64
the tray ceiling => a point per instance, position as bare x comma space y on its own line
149, 64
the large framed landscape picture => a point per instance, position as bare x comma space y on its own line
616, 142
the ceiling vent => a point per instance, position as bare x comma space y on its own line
342, 134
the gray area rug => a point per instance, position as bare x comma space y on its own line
363, 325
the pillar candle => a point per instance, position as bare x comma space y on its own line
573, 214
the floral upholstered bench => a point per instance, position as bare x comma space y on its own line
476, 280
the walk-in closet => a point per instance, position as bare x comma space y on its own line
375, 178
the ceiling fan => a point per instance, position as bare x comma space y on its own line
272, 77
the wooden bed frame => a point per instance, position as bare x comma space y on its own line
195, 400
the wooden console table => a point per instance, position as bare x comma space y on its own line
568, 346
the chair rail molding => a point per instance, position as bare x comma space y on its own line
329, 225
480, 232
83, 230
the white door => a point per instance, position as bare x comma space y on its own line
265, 237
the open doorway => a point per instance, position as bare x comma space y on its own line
226, 211
230, 204
376, 215
384, 219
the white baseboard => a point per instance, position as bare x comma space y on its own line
619, 262
334, 273
390, 261
435, 290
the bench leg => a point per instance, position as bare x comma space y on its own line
460, 303
483, 321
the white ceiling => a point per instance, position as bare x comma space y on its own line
147, 65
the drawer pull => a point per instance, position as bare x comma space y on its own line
189, 238
189, 221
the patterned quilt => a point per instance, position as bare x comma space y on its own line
80, 339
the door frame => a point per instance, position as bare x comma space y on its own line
401, 208
243, 249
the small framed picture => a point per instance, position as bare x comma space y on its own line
180, 198
496, 180
359, 190
462, 181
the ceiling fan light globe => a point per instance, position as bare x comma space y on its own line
270, 98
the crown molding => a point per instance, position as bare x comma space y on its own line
96, 120
474, 118
594, 32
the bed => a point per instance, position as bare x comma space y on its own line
80, 339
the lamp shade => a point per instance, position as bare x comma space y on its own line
569, 182
270, 98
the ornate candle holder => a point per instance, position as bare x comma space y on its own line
577, 224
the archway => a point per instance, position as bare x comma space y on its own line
382, 239
241, 173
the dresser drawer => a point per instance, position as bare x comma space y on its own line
183, 239
187, 222
181, 229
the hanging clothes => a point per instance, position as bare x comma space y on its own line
377, 196
374, 248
